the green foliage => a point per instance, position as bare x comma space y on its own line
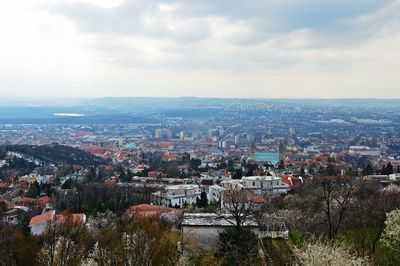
387, 170
296, 236
281, 164
202, 202
67, 184
194, 163
238, 174
250, 169
33, 191
91, 174
368, 170
330, 170
279, 251
129, 174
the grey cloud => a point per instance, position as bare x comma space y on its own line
266, 17
128, 19
330, 23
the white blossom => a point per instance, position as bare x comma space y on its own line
321, 253
391, 234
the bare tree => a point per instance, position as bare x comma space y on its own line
65, 242
336, 200
237, 205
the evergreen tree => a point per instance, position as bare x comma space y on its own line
91, 174
202, 202
302, 171
129, 174
122, 176
389, 169
34, 190
67, 184
238, 174
281, 164
368, 170
330, 170
194, 163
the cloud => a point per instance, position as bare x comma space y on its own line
135, 18
228, 34
155, 18
264, 48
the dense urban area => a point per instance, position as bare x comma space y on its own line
193, 181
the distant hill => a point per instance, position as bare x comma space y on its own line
58, 154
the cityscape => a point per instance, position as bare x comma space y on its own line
199, 133
201, 167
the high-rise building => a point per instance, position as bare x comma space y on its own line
170, 133
158, 133
182, 135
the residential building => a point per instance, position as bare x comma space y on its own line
265, 185
177, 195
39, 223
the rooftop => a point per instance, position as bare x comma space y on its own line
146, 210
42, 218
213, 219
260, 178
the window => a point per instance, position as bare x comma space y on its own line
254, 184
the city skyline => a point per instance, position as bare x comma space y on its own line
252, 49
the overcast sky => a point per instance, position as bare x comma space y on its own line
211, 48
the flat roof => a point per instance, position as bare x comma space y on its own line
213, 219
261, 178
184, 186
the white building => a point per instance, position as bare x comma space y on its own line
364, 151
177, 195
259, 185
3, 163
214, 193
265, 185
233, 184
35, 177
39, 223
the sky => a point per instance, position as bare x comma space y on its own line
207, 48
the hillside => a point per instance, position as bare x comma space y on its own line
57, 154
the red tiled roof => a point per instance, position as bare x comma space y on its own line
4, 186
148, 210
254, 198
250, 196
45, 199
161, 144
154, 173
76, 218
292, 181
26, 200
41, 218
